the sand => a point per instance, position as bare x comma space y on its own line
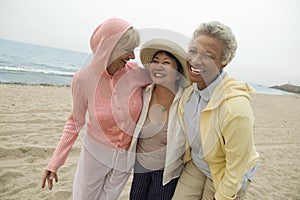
32, 120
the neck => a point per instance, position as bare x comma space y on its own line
163, 96
202, 85
111, 69
167, 88
162, 90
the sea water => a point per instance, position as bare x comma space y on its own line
23, 63
34, 64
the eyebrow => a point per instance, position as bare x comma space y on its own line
166, 58
205, 50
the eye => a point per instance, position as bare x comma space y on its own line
167, 63
128, 50
208, 56
154, 61
192, 51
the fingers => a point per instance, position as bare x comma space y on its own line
44, 179
49, 176
54, 175
49, 183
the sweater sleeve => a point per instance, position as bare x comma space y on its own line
238, 147
71, 129
64, 146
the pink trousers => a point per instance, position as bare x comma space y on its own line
97, 181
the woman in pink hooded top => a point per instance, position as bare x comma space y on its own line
109, 89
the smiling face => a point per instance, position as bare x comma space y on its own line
124, 50
204, 60
163, 70
121, 55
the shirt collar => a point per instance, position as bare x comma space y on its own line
207, 92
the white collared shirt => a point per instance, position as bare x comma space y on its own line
191, 117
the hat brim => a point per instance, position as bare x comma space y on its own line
151, 47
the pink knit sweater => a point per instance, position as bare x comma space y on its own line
115, 113
113, 103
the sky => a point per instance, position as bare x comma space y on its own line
267, 31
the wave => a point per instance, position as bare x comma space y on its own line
32, 70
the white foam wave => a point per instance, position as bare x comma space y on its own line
32, 70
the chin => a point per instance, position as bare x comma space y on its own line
195, 79
192, 79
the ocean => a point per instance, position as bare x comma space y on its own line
23, 63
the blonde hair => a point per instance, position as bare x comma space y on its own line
221, 32
130, 37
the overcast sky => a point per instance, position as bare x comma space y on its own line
267, 31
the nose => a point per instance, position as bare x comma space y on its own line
156, 66
196, 60
132, 55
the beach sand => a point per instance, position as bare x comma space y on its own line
32, 120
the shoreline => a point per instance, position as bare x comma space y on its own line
257, 91
29, 84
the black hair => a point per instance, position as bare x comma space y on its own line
179, 66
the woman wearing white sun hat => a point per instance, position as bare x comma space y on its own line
158, 139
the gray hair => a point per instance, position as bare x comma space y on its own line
131, 36
221, 32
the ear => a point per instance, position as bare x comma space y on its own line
223, 64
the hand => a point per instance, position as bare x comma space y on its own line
48, 175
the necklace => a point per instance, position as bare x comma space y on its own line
157, 114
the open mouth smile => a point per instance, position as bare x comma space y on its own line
197, 71
159, 75
125, 61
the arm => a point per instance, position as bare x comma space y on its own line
70, 134
238, 146
64, 146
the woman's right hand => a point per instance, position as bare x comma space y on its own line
49, 175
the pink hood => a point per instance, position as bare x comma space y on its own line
103, 41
